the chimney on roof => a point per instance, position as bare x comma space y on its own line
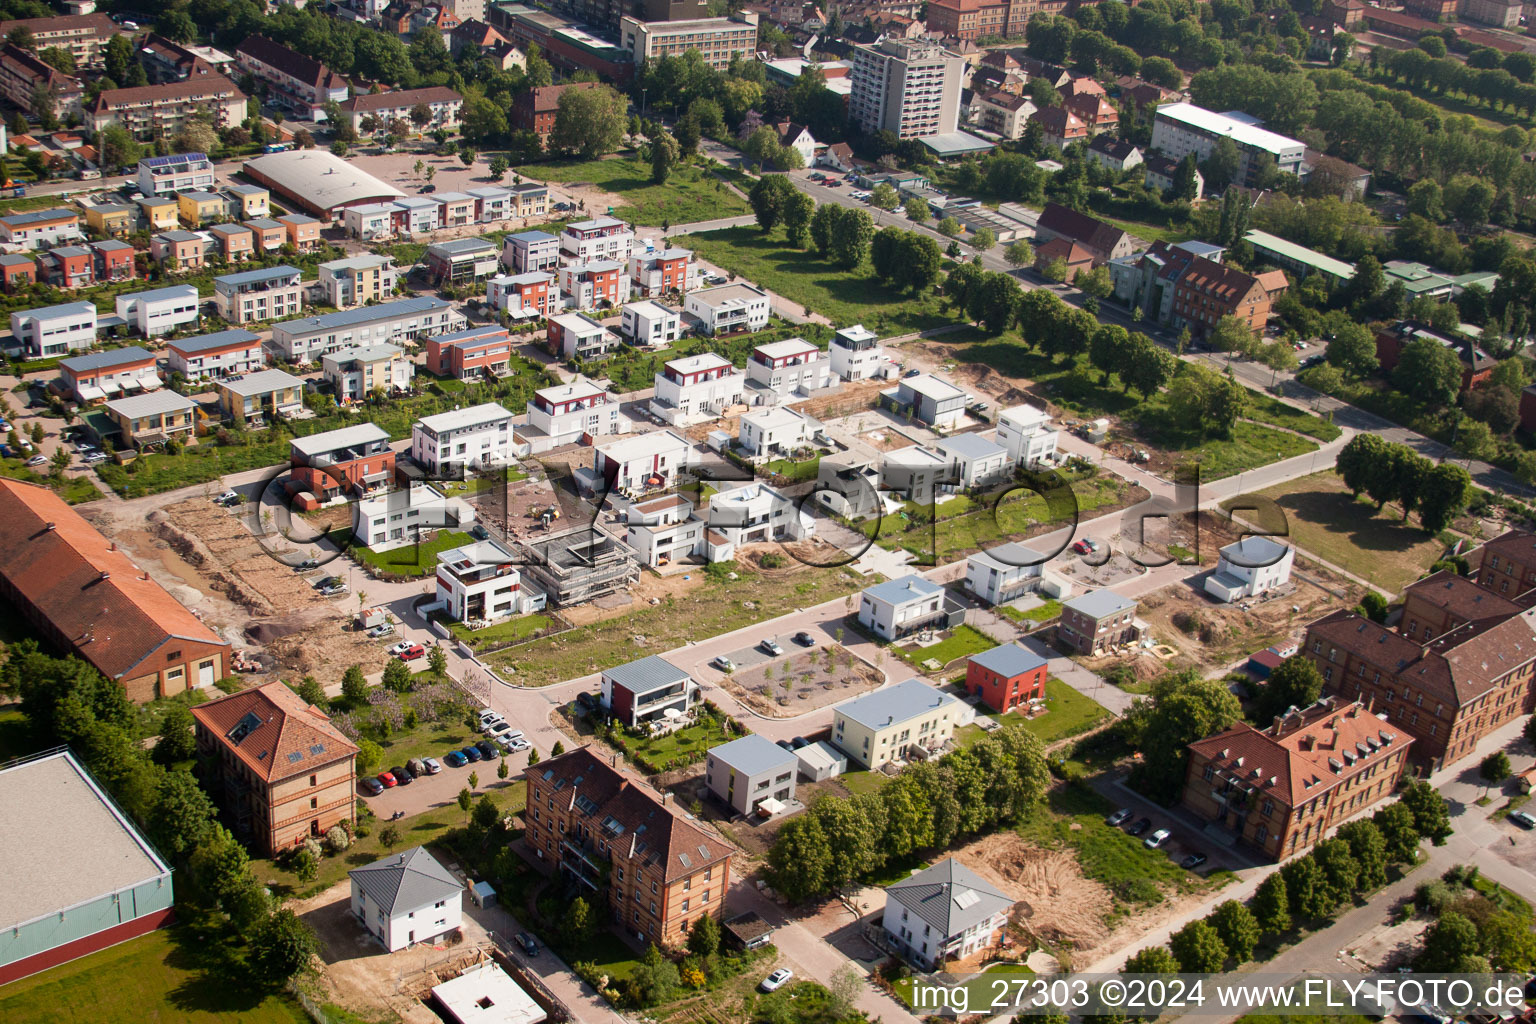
50, 526
1308, 742
666, 797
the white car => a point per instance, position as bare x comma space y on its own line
38, 460
499, 729
432, 764
400, 648
724, 664
489, 717
227, 496
1156, 839
776, 980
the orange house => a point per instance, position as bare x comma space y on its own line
303, 232
1006, 677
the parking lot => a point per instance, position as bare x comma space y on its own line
754, 656
442, 789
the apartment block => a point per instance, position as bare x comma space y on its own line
716, 39
462, 261
160, 310
216, 355
601, 238
306, 340
566, 413
696, 388
24, 76
469, 355
179, 172
531, 292
82, 36
357, 280
442, 103
909, 87
41, 229
650, 324
729, 309
256, 399
55, 330
300, 83
479, 437
1182, 128
160, 111
530, 251
780, 370
594, 284
355, 373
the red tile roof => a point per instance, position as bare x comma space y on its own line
208, 85
647, 829
290, 62
113, 614
401, 98
1305, 753
1069, 223
274, 732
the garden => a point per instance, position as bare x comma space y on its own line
418, 558
676, 749
1067, 714
505, 633
961, 642
689, 195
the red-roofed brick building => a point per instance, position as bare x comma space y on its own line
1282, 788
1208, 291
82, 594
609, 829
1077, 256
276, 766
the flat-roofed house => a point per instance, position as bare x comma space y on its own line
928, 399
1004, 573
779, 370
729, 308
270, 293
578, 337
1098, 621
643, 691
896, 608
55, 330
335, 463
357, 280
697, 387
160, 310
571, 412
746, 773
216, 355
98, 376
468, 355
1025, 432
151, 419
256, 399
448, 443
355, 373
1006, 677
895, 723
39, 229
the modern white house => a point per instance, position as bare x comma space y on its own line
577, 336
463, 439
160, 310
748, 773
1250, 567
780, 370
918, 473
216, 355
755, 513
394, 518
1026, 433
729, 308
855, 353
773, 432
696, 388
406, 898
929, 399
594, 284
308, 338
55, 330
974, 461
1004, 573
480, 582
946, 912
895, 608
649, 324
897, 723
563, 414
601, 238
528, 251
646, 690
357, 372
667, 530
644, 462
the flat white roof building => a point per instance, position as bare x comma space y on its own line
307, 339
1182, 128
856, 353
55, 330
160, 310
650, 324
729, 308
474, 438
485, 994
643, 462
781, 369
778, 431
696, 388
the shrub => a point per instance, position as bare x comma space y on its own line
336, 839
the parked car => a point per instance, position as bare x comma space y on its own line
412, 652
1156, 839
38, 460
1193, 861
517, 741
432, 765
332, 589
455, 759
489, 717
724, 664
1523, 819
417, 767
1085, 546
471, 754
401, 774
776, 980
307, 564
371, 786
772, 647
227, 496
381, 630
805, 639
487, 751
395, 650
1119, 818
387, 780
1142, 824
589, 700
529, 943
327, 581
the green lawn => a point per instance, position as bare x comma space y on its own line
860, 780
795, 472
662, 753
688, 196
1040, 613
1268, 409
159, 977
418, 559
1069, 713
73, 489
717, 606
844, 296
1318, 513
962, 642
508, 631
15, 735
1250, 446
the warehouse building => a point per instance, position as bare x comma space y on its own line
319, 182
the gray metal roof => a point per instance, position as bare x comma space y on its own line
152, 404
344, 437
754, 755
261, 382
900, 591
254, 276
646, 674
102, 360
894, 704
406, 881
1012, 555
1008, 660
949, 896
362, 315
1100, 604
218, 339
971, 446
1253, 552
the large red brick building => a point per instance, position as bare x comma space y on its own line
82, 594
276, 766
1280, 789
610, 831
1459, 664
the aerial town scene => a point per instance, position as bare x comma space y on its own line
764, 512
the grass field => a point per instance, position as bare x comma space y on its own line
654, 752
418, 559
157, 977
1040, 613
689, 195
73, 489
1070, 714
713, 608
1250, 446
1270, 410
844, 296
1321, 517
962, 642
510, 631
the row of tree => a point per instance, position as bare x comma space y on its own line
992, 784
66, 701
1310, 888
1386, 471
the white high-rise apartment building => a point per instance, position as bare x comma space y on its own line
907, 86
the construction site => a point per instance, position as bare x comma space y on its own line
579, 565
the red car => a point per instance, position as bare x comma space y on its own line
1085, 547
412, 653
388, 780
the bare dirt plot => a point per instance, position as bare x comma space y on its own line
1055, 901
809, 684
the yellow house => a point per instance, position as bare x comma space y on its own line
248, 201
905, 722
199, 208
111, 219
153, 418
160, 212
258, 397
